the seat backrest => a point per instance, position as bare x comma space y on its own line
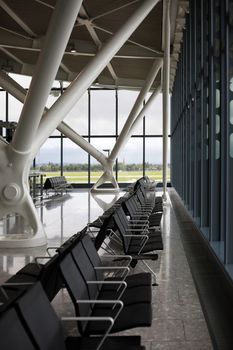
122, 232
12, 333
51, 277
63, 180
40, 319
48, 183
131, 207
140, 197
87, 270
103, 231
138, 202
76, 287
92, 255
123, 217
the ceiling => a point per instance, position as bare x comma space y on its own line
23, 26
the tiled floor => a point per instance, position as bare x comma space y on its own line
178, 321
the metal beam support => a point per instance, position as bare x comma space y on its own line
108, 173
95, 38
136, 108
126, 131
16, 90
166, 76
17, 19
113, 10
143, 111
57, 37
15, 158
65, 103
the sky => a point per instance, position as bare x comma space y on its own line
102, 122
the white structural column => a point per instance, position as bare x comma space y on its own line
166, 84
72, 94
108, 174
16, 90
15, 157
59, 31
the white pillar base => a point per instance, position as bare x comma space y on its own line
105, 190
23, 241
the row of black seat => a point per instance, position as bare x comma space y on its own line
103, 305
133, 221
57, 184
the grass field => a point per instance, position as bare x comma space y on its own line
123, 176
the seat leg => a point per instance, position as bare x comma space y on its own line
152, 272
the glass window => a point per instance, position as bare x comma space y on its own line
154, 117
105, 146
126, 100
130, 167
103, 112
75, 162
15, 108
48, 159
22, 80
154, 158
77, 118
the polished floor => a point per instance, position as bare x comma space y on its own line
178, 321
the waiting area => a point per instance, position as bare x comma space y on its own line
171, 316
116, 167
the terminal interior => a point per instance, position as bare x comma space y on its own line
115, 174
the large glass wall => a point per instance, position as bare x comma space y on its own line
98, 117
201, 123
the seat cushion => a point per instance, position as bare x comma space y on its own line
133, 295
132, 316
111, 342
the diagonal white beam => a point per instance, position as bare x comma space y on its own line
113, 10
143, 111
16, 90
45, 4
136, 108
108, 174
65, 68
8, 53
81, 142
129, 52
15, 33
68, 99
58, 34
96, 39
17, 19
130, 41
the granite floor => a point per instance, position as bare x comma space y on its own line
178, 321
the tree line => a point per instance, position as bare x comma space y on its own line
49, 167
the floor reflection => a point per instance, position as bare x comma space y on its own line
61, 215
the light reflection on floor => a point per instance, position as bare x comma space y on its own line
62, 216
178, 321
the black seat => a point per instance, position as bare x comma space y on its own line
12, 333
108, 289
132, 206
131, 316
45, 328
142, 279
136, 242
